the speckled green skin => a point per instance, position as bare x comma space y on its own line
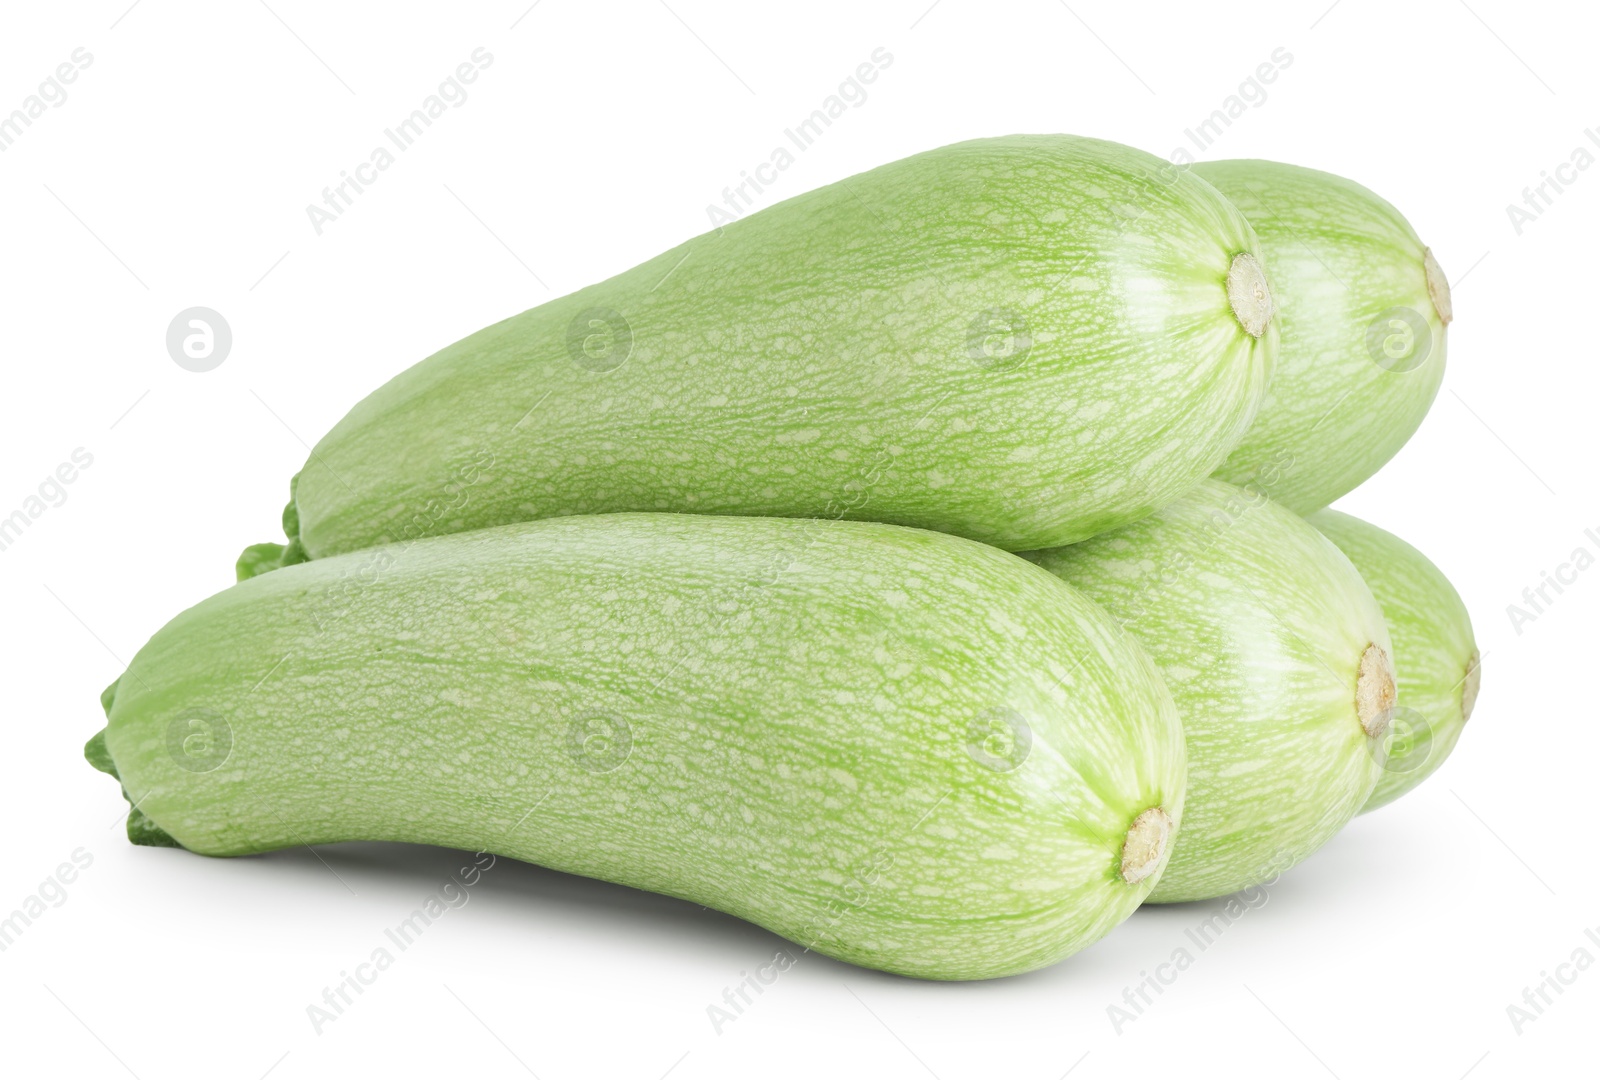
1258, 624
1339, 257
799, 696
1433, 648
1022, 340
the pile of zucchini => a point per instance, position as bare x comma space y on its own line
931, 568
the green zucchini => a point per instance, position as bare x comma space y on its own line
1363, 307
1278, 658
1435, 654
1022, 340
896, 747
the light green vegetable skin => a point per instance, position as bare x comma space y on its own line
1435, 654
895, 747
1362, 308
1022, 340
1277, 656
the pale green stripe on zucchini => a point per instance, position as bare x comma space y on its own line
897, 747
1022, 340
1278, 658
1435, 654
1362, 309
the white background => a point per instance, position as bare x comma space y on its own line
177, 173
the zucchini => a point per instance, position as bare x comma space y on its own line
1278, 658
1435, 654
1022, 340
896, 747
1363, 307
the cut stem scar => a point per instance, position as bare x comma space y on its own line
1375, 691
1145, 847
1252, 301
1469, 687
1438, 286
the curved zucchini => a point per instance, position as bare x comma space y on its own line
1435, 654
1277, 656
1362, 307
1022, 340
900, 748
